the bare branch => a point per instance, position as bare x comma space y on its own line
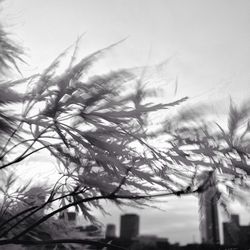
59, 241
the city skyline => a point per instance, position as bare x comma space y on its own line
233, 232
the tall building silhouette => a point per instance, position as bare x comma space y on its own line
69, 217
110, 231
129, 227
209, 221
236, 234
231, 231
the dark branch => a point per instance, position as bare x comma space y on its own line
60, 241
104, 197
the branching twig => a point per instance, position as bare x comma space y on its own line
37, 209
123, 180
22, 157
17, 215
103, 197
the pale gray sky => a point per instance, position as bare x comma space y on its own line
208, 41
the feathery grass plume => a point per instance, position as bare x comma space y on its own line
96, 129
10, 53
95, 126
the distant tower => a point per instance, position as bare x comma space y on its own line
209, 222
235, 219
69, 217
231, 231
129, 228
110, 231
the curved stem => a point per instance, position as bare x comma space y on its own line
109, 197
17, 215
22, 157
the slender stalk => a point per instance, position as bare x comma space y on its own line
37, 208
16, 216
103, 197
22, 157
11, 136
20, 143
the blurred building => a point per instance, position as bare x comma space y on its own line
235, 234
148, 239
245, 236
235, 219
110, 231
69, 217
208, 199
231, 231
129, 227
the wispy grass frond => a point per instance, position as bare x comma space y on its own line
10, 53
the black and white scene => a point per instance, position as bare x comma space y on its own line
125, 124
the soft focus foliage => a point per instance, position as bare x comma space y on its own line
96, 128
9, 52
208, 146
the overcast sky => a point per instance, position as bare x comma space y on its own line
208, 43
